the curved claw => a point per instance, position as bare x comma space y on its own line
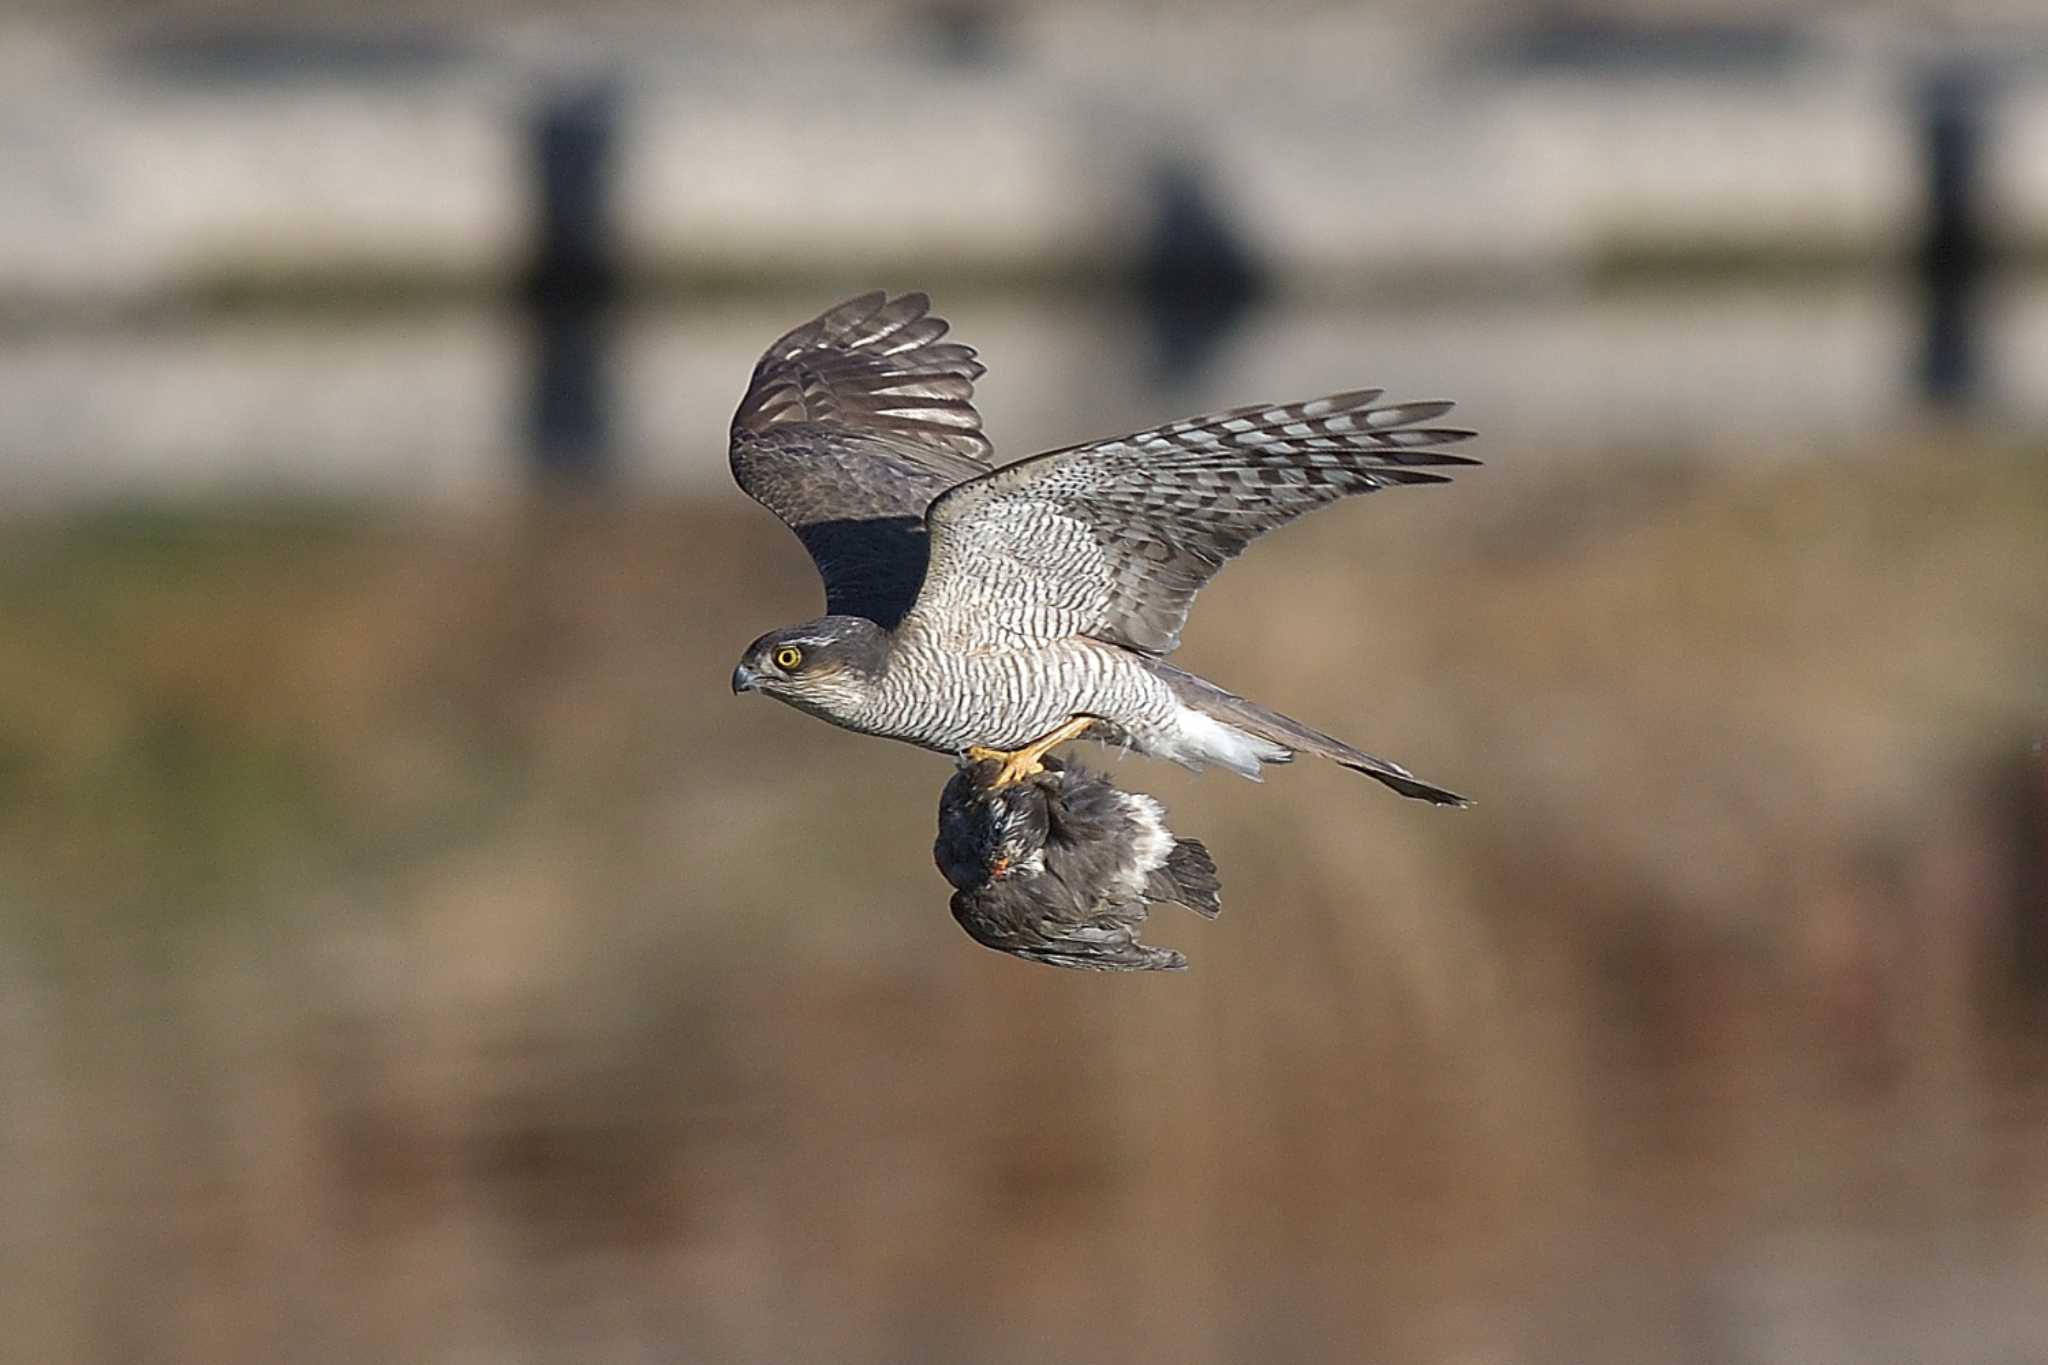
1023, 764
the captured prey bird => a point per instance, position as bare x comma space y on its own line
1002, 610
1057, 867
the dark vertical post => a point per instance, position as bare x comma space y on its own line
1953, 252
964, 32
571, 282
1196, 276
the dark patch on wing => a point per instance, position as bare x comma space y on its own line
852, 424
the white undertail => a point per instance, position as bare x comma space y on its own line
1151, 846
1199, 740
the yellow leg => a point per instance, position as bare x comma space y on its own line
1025, 761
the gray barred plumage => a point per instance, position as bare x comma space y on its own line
972, 605
951, 698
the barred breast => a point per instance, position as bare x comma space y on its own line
949, 699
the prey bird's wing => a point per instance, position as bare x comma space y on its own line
853, 423
1114, 538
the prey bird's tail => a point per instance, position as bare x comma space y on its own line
1292, 737
1189, 878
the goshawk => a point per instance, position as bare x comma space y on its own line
1005, 610
1057, 868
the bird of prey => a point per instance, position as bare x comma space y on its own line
984, 610
1057, 868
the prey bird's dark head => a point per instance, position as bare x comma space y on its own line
989, 833
824, 666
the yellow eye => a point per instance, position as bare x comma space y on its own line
788, 658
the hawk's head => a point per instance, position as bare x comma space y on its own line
826, 665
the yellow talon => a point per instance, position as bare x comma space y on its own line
1024, 763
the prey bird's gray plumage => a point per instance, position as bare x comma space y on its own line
1058, 868
978, 606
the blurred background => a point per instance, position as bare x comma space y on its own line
409, 950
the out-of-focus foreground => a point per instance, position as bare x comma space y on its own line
413, 953
410, 950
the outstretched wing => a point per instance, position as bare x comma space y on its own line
1113, 539
853, 423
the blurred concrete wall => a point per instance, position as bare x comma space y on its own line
146, 160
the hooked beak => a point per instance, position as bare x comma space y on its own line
744, 679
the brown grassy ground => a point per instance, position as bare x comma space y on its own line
410, 951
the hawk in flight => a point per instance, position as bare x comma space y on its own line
999, 611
